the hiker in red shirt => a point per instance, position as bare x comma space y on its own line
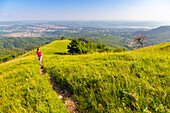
39, 56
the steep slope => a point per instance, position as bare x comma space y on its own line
113, 82
23, 89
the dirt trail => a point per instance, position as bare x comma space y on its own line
70, 104
42, 71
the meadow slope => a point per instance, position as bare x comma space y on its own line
135, 80
23, 89
129, 81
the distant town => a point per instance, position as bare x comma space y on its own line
21, 30
48, 29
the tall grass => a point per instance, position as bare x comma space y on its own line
23, 89
135, 81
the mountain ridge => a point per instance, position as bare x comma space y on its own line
156, 36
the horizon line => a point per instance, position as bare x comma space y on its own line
88, 20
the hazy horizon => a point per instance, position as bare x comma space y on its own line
85, 10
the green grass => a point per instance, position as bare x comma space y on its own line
114, 82
133, 81
23, 89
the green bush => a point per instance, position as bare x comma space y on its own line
119, 49
63, 38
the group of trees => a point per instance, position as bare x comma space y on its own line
10, 57
80, 47
10, 51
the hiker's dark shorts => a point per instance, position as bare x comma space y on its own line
39, 58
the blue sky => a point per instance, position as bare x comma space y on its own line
141, 10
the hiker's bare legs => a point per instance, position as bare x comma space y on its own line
41, 61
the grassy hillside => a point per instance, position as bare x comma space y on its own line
23, 89
136, 80
113, 82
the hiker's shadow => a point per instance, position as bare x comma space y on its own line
60, 53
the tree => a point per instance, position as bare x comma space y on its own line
63, 38
74, 47
140, 39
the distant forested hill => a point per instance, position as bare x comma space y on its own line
157, 36
14, 42
14, 45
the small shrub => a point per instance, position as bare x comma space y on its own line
63, 38
119, 49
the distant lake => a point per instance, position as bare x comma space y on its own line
134, 27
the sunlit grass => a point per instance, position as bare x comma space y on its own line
23, 89
129, 81
114, 82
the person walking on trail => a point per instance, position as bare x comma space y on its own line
39, 56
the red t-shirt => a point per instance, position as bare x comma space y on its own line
39, 53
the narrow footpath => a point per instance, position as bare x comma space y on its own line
64, 95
